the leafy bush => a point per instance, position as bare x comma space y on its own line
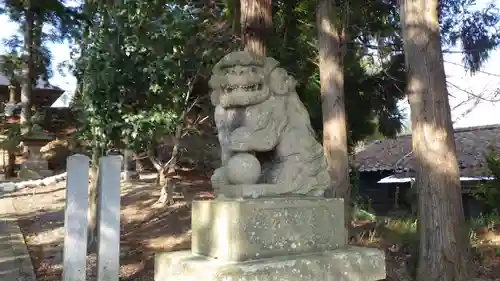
362, 203
489, 191
362, 215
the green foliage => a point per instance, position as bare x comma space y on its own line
485, 220
11, 65
10, 137
354, 180
138, 67
363, 209
63, 21
362, 203
489, 191
364, 215
15, 61
375, 77
372, 87
139, 60
475, 30
406, 228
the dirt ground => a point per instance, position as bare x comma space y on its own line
145, 230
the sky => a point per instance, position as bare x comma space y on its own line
464, 89
466, 111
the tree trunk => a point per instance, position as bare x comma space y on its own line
27, 81
443, 239
256, 25
12, 93
93, 192
236, 16
38, 64
331, 71
290, 29
127, 171
11, 151
165, 172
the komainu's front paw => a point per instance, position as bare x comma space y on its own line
219, 177
239, 140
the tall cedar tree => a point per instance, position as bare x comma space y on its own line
256, 25
443, 241
27, 84
331, 72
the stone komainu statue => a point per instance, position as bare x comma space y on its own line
257, 110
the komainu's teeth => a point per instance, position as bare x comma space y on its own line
251, 87
228, 88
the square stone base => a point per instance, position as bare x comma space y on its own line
346, 264
129, 175
246, 229
35, 164
34, 174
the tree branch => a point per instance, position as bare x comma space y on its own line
479, 71
180, 126
475, 98
152, 158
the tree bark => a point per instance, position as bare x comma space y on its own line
38, 65
168, 184
127, 171
11, 152
331, 71
290, 30
256, 25
93, 200
236, 13
166, 171
12, 93
27, 81
444, 244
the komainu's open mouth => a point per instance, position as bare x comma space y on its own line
247, 88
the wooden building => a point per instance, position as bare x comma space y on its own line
386, 167
44, 95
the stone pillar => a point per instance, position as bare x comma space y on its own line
108, 219
4, 163
75, 218
129, 167
258, 239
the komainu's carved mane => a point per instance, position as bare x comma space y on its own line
257, 111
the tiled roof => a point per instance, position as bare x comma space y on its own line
40, 84
44, 94
395, 154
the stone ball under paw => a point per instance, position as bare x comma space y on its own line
243, 168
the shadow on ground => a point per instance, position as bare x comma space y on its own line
14, 195
144, 230
15, 263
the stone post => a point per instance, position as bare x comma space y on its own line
108, 223
75, 218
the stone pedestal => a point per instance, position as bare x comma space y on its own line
35, 167
270, 239
26, 173
128, 175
